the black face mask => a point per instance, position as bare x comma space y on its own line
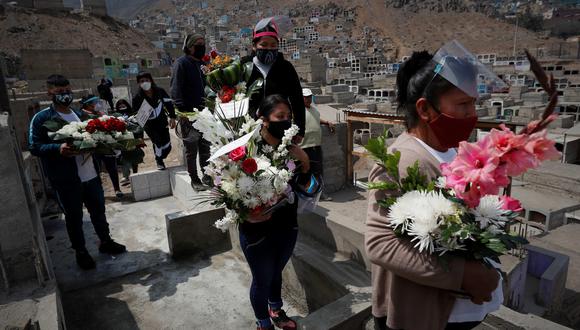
198, 51
267, 56
277, 128
64, 99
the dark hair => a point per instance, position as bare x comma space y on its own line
123, 101
416, 78
84, 100
57, 80
144, 74
270, 102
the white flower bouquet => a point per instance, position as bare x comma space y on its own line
99, 135
252, 177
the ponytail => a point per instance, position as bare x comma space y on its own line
412, 80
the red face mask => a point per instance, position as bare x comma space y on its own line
450, 130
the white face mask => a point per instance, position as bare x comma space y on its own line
146, 85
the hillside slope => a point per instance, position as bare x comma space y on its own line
32, 29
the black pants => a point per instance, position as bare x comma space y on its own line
381, 324
267, 255
158, 132
315, 155
194, 143
71, 198
111, 167
111, 105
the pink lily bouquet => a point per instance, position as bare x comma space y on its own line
461, 212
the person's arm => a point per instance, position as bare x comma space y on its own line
167, 104
296, 99
177, 80
301, 156
36, 146
327, 123
398, 254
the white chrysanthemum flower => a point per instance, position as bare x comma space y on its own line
252, 202
418, 213
280, 185
230, 188
104, 118
489, 212
228, 220
245, 184
267, 149
264, 189
262, 162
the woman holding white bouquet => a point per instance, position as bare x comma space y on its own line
268, 238
413, 289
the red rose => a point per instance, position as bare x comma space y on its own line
225, 98
249, 166
213, 54
205, 58
238, 153
93, 126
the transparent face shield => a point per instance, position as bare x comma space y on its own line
309, 194
280, 24
461, 68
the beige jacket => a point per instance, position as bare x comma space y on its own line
411, 289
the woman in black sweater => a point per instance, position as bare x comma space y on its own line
278, 74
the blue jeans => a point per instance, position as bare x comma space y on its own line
267, 255
71, 197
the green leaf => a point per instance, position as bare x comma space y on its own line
383, 185
255, 87
387, 202
55, 124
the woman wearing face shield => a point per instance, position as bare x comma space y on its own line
92, 106
156, 126
279, 75
413, 290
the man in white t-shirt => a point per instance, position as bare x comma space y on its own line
73, 175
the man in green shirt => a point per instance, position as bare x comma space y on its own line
312, 141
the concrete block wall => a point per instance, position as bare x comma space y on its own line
23, 250
192, 233
150, 184
553, 176
334, 157
552, 269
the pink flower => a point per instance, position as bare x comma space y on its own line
541, 147
505, 140
238, 153
510, 204
519, 161
476, 162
